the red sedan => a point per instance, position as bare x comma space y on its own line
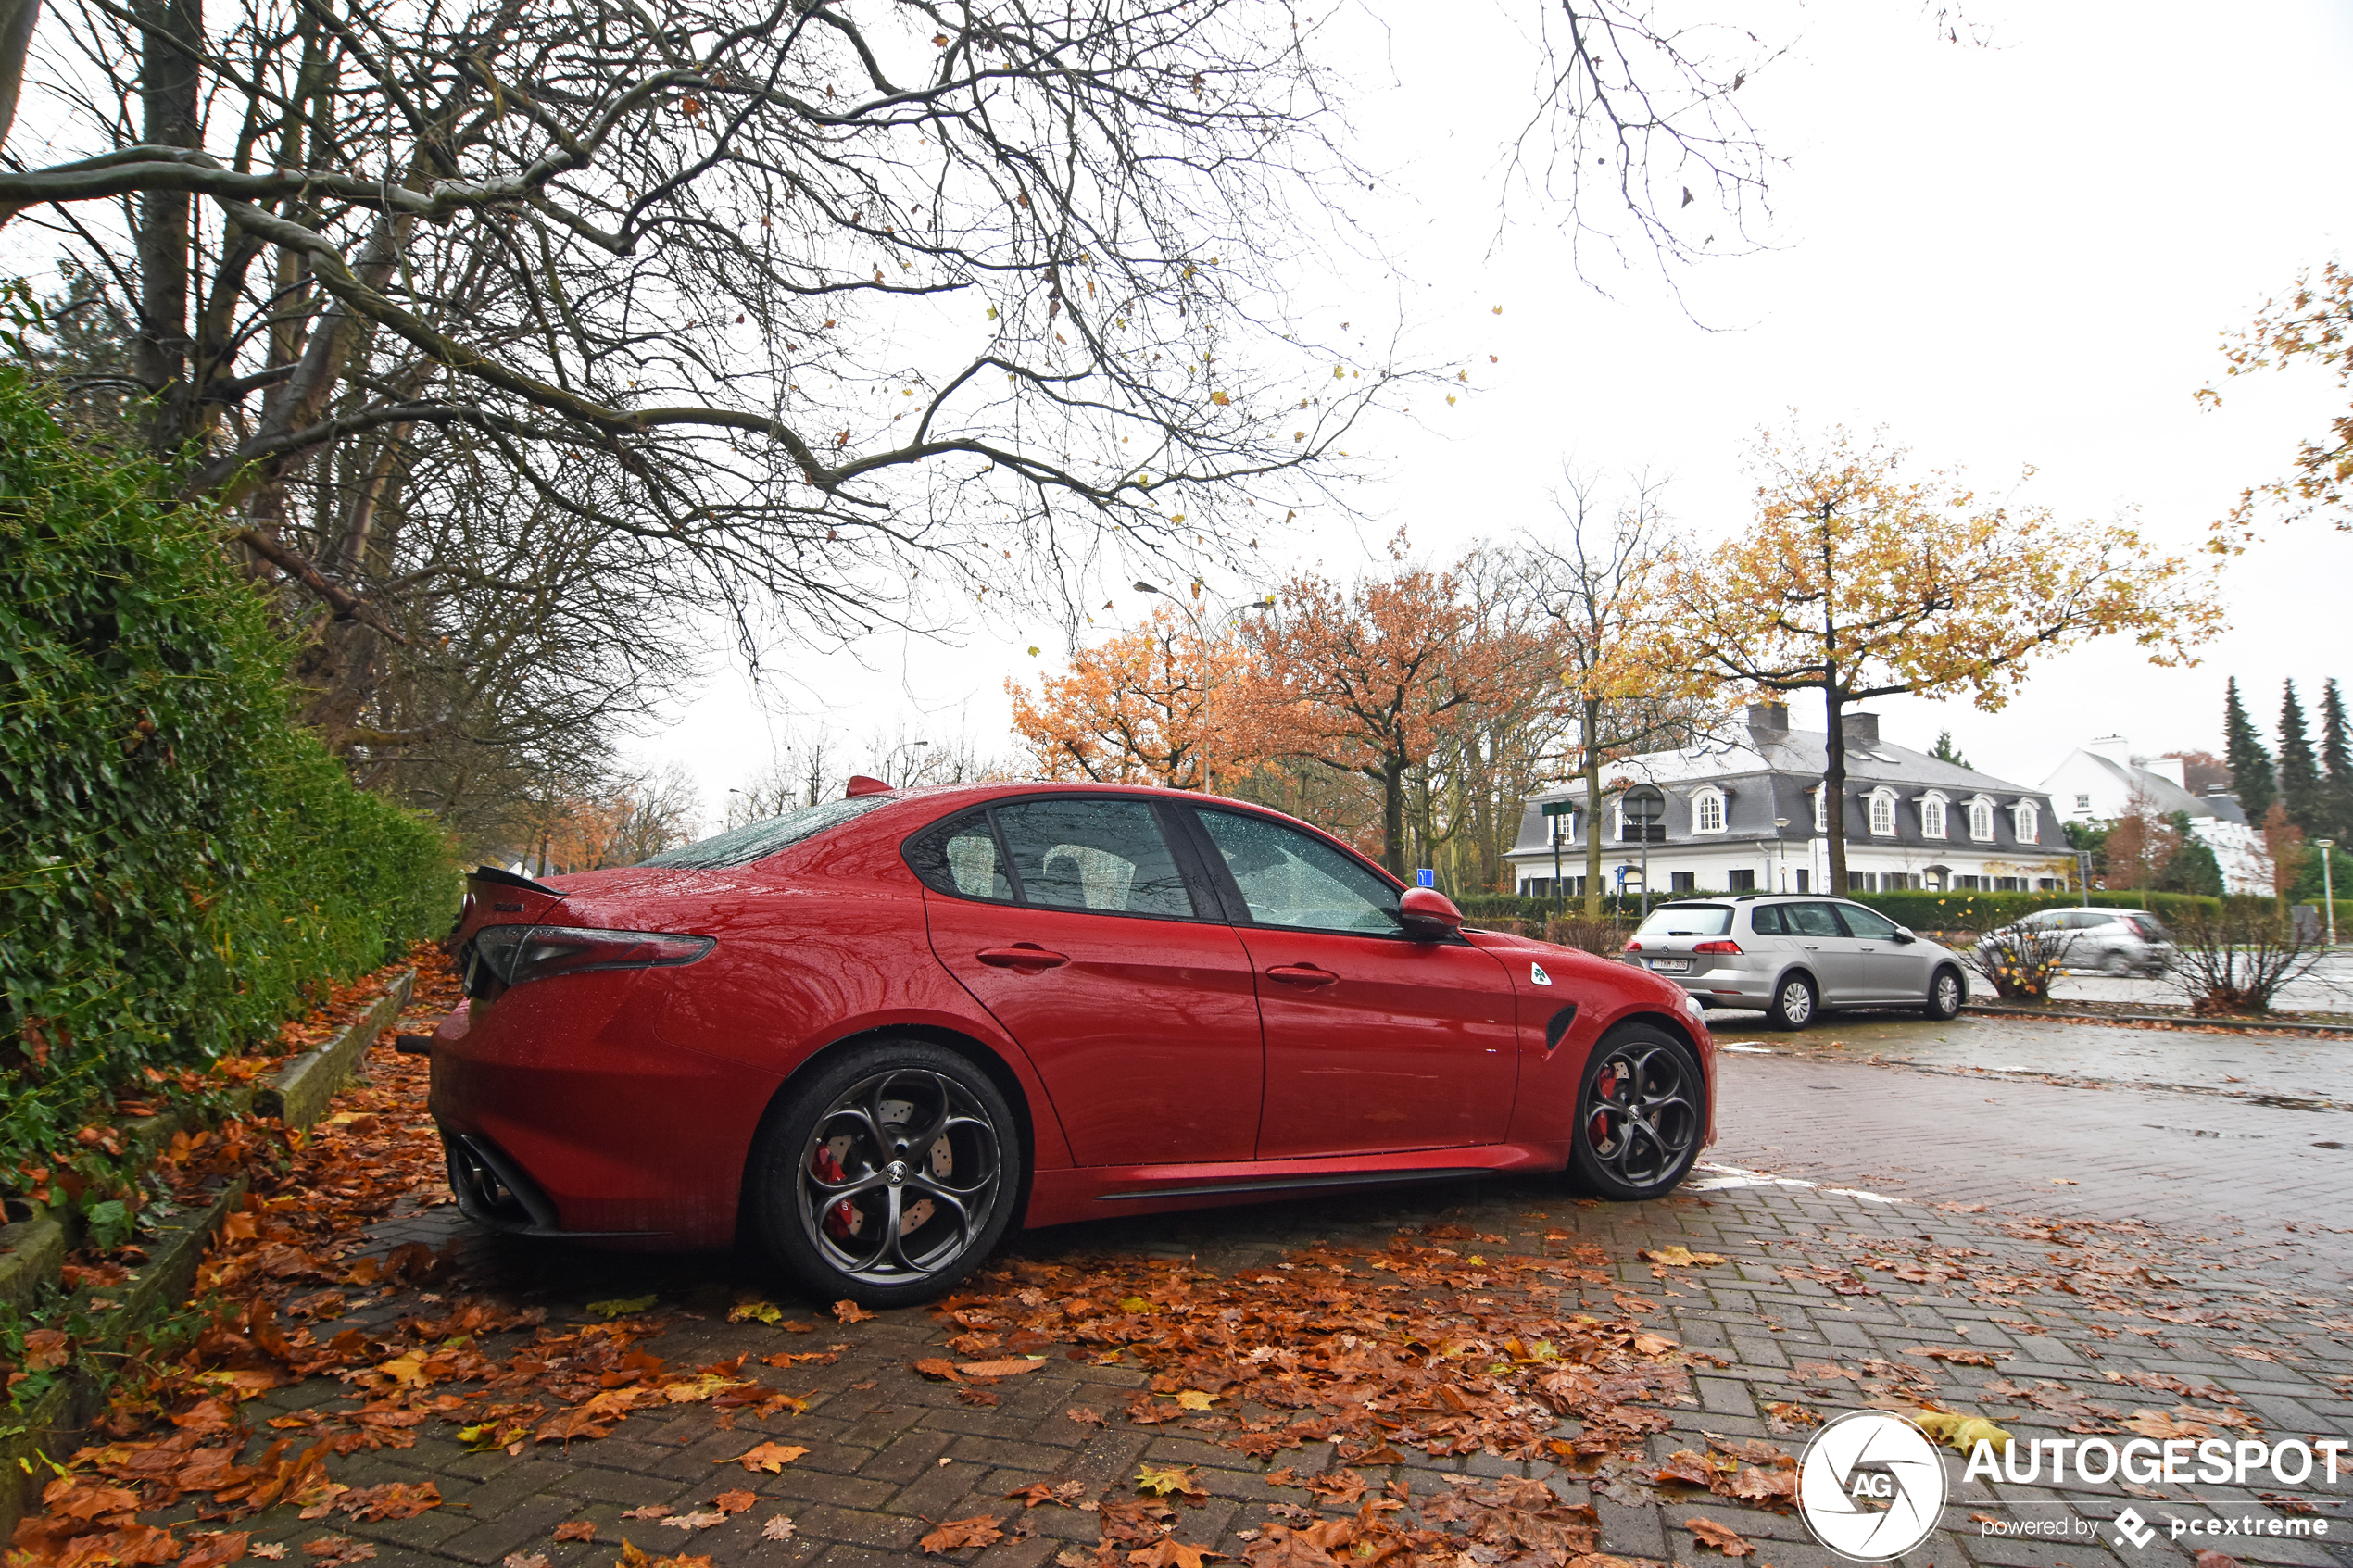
871, 1034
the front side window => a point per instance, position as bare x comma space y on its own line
1868, 924
1289, 879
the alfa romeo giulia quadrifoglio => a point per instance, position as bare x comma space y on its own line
868, 1036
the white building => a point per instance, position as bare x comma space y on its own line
1749, 816
2099, 779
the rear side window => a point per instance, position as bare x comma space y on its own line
1811, 920
1105, 855
961, 855
1687, 919
1765, 920
757, 841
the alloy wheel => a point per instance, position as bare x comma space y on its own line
1641, 1112
899, 1177
1797, 1003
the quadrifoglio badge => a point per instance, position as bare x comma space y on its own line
1872, 1485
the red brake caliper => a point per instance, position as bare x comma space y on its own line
841, 1220
1605, 1086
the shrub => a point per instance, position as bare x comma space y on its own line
2236, 959
178, 859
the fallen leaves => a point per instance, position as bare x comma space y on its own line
851, 1312
770, 1457
957, 1535
1038, 1493
1723, 1537
1958, 1431
1163, 1480
628, 1306
778, 1528
577, 1530
1681, 1257
1951, 1356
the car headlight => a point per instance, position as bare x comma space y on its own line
1692, 1006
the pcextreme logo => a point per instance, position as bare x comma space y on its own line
1870, 1486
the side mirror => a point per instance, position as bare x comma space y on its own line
1903, 933
1429, 915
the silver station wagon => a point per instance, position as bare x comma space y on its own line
1794, 955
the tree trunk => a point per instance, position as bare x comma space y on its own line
172, 32
1392, 818
1835, 784
1592, 810
17, 20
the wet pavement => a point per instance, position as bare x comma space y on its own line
1980, 1228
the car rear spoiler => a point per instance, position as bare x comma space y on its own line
509, 879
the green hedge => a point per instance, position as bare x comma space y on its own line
1922, 912
178, 859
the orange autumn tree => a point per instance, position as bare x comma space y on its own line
2312, 324
1371, 680
1857, 581
1151, 706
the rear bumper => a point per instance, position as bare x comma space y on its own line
563, 1115
1726, 987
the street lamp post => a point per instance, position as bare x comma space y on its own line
1208, 774
1780, 856
892, 760
2328, 883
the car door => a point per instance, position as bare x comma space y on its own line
1835, 958
1893, 971
1373, 1041
1073, 922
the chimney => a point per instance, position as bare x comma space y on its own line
2166, 768
1768, 721
1860, 729
2116, 748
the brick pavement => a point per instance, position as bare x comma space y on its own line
888, 1450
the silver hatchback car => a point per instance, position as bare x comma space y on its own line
1793, 956
2113, 941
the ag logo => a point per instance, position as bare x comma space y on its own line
1870, 1486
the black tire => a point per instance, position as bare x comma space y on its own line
2118, 963
950, 1185
1642, 1115
1795, 1002
1947, 992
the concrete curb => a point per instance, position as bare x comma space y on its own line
300, 1094
2178, 1021
35, 1251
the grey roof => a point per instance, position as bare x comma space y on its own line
1773, 776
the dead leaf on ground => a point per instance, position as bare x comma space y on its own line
851, 1312
777, 1529
735, 1502
1681, 1257
1084, 1416
770, 1457
1013, 1366
577, 1530
1723, 1537
1042, 1492
958, 1534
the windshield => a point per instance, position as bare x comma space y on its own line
757, 841
1687, 919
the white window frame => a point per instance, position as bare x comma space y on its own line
1981, 808
1882, 807
1701, 799
2027, 818
1935, 819
1821, 813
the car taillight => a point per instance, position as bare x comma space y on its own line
1717, 947
501, 955
1632, 946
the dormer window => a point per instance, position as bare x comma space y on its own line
1883, 812
1707, 811
1981, 819
2030, 823
1932, 815
1821, 813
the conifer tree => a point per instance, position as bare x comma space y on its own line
2250, 763
2337, 764
2300, 789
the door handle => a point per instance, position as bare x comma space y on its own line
1301, 974
1027, 956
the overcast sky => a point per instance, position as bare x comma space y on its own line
2018, 255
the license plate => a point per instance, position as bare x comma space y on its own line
1671, 966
